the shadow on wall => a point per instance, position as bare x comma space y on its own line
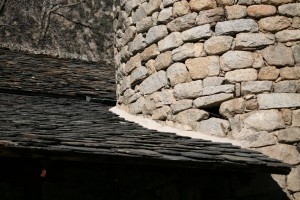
81, 30
20, 179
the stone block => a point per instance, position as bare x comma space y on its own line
181, 8
191, 115
259, 11
138, 74
258, 61
181, 105
196, 33
286, 86
236, 26
253, 40
296, 52
292, 9
256, 87
161, 113
213, 81
279, 2
152, 6
290, 73
177, 73
212, 100
288, 135
137, 44
154, 82
278, 55
138, 14
133, 63
137, 107
293, 180
274, 24
232, 107
150, 66
144, 24
182, 23
128, 35
165, 15
150, 52
296, 22
183, 52
213, 126
163, 60
287, 35
170, 42
296, 118
210, 16
278, 100
156, 33
225, 2
164, 97
203, 67
197, 5
167, 3
188, 90
218, 89
236, 12
287, 116
241, 75
131, 4
268, 73
232, 60
218, 44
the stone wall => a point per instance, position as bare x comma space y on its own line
222, 67
80, 29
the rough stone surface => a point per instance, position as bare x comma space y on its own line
181, 8
152, 6
232, 107
278, 100
170, 42
144, 24
286, 86
150, 52
213, 126
138, 74
164, 97
236, 11
268, 73
163, 60
258, 61
236, 60
218, 44
288, 135
292, 9
225, 2
181, 105
258, 11
196, 33
213, 81
296, 118
161, 113
218, 89
165, 15
210, 16
253, 40
273, 24
197, 5
188, 90
137, 44
154, 82
177, 73
290, 73
182, 23
203, 67
256, 87
212, 100
296, 51
138, 14
156, 33
191, 115
241, 75
137, 107
293, 179
278, 55
287, 35
133, 63
236, 26
287, 116
187, 50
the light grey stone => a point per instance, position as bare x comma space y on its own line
163, 60
188, 90
137, 44
286, 86
236, 12
268, 73
245, 2
128, 35
154, 82
290, 73
133, 63
156, 33
253, 40
296, 22
218, 89
287, 35
181, 8
213, 81
236, 26
150, 105
275, 23
236, 60
185, 51
152, 6
170, 42
287, 116
150, 52
191, 115
144, 24
182, 23
181, 105
138, 74
241, 75
293, 179
177, 73
237, 89
296, 118
137, 107
134, 97
165, 15
131, 4
278, 100
164, 97
203, 67
127, 94
263, 120
124, 84
138, 14
196, 33
213, 126
166, 3
232, 107
255, 87
296, 51
161, 113
212, 100
258, 61
288, 135
210, 16
292, 9
218, 44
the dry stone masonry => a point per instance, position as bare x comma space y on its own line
222, 67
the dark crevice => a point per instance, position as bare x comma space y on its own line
214, 112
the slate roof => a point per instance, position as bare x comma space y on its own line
35, 124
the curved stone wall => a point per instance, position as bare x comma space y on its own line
229, 68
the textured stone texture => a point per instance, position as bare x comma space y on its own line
268, 73
213, 81
191, 115
163, 60
133, 63
212, 100
188, 50
287, 35
170, 42
213, 126
177, 73
196, 33
197, 5
218, 89
232, 60
286, 86
278, 100
279, 55
137, 44
144, 24
293, 179
203, 67
218, 44
258, 11
241, 75
236, 12
165, 15
138, 74
156, 33
181, 8
292, 9
161, 113
150, 52
182, 23
274, 24
290, 73
236, 26
188, 90
210, 16
154, 82
232, 107
181, 105
256, 87
289, 135
296, 118
253, 40
138, 106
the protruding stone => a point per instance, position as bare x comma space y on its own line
152, 6
278, 55
156, 33
292, 9
213, 81
258, 11
278, 100
212, 100
236, 60
290, 73
241, 75
196, 33
232, 107
213, 126
296, 118
131, 4
286, 86
236, 26
197, 5
181, 105
218, 89
253, 40
218, 44
128, 35
287, 35
138, 14
203, 67
170, 42
256, 87
188, 90
161, 113
164, 97
144, 24
181, 8
296, 51
182, 23
138, 74
225, 2
236, 12
154, 82
188, 50
163, 60
165, 15
137, 107
287, 116
191, 115
289, 135
137, 44
177, 73
268, 73
273, 24
258, 61
210, 16
279, 2
133, 63
250, 138
150, 52
293, 180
